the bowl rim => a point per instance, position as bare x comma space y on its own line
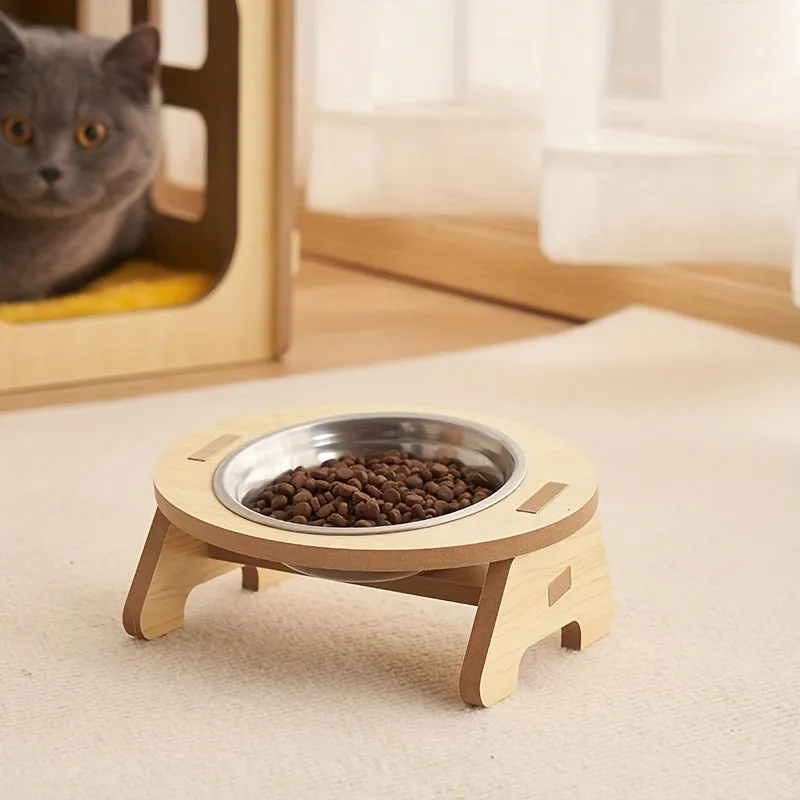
511, 484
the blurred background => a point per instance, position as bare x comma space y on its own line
652, 133
467, 172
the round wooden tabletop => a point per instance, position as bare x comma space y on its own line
557, 497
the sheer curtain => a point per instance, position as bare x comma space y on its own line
633, 131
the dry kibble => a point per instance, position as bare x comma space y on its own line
367, 491
302, 509
390, 494
373, 491
326, 510
440, 507
445, 493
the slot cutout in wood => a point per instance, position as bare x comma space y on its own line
542, 497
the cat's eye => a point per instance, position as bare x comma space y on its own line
91, 135
18, 131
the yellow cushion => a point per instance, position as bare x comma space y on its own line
134, 286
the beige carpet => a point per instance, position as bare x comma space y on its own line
318, 690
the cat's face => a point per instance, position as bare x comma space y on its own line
80, 121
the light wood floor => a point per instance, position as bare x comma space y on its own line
343, 318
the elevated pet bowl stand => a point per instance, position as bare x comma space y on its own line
533, 563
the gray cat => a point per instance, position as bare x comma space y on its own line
80, 142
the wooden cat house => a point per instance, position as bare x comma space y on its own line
213, 286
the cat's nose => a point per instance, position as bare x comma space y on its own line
51, 174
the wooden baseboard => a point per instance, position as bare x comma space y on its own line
500, 260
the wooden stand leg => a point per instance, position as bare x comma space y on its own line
526, 599
171, 565
256, 578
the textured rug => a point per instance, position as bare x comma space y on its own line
321, 690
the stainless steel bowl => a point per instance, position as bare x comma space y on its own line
256, 463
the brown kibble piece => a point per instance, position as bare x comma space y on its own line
303, 496
302, 509
368, 510
326, 510
445, 493
278, 502
391, 495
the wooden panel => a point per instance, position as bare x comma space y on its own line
206, 243
462, 585
372, 319
500, 259
245, 319
62, 13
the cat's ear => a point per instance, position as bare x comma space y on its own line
11, 47
135, 61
